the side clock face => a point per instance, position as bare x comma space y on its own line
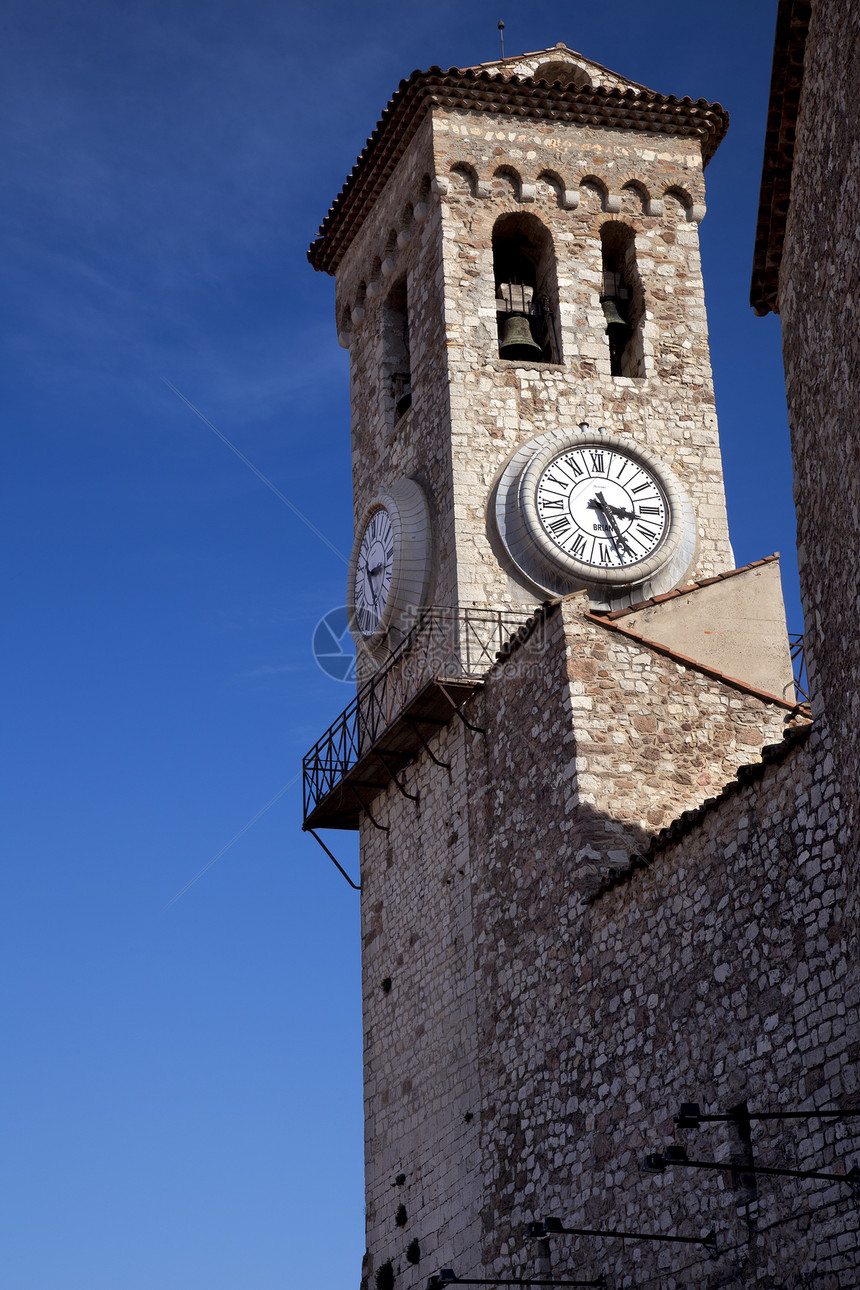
601, 507
373, 572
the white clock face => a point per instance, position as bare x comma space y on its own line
601, 507
373, 572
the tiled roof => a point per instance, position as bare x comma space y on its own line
792, 23
480, 91
771, 755
691, 586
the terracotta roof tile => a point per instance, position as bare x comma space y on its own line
480, 91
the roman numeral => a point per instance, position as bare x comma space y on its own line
624, 465
646, 532
552, 503
603, 552
577, 546
649, 510
640, 488
597, 462
559, 526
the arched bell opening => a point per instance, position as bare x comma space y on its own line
622, 299
526, 290
396, 356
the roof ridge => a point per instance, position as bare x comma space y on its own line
483, 91
686, 661
682, 825
613, 614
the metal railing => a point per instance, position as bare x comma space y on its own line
448, 644
798, 662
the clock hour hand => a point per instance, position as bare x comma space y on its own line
609, 509
622, 513
598, 503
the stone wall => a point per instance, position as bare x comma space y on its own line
819, 286
593, 743
717, 973
420, 1057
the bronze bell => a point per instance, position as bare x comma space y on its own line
517, 340
611, 312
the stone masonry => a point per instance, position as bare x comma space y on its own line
593, 743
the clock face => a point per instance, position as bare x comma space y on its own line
373, 572
601, 507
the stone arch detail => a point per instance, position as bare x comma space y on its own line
639, 189
359, 306
559, 72
463, 180
566, 196
594, 192
508, 180
693, 211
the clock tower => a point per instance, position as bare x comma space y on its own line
556, 654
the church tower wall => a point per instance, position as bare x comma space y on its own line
422, 1087
520, 290
400, 245
575, 181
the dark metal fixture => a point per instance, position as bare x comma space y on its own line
517, 340
356, 886
555, 1227
615, 302
401, 388
691, 1116
447, 1276
519, 307
425, 681
656, 1162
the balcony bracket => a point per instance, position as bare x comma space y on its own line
446, 765
413, 797
383, 828
356, 886
479, 730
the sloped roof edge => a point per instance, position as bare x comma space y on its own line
694, 664
479, 91
614, 614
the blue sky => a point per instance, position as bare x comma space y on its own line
182, 1078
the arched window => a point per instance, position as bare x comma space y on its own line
562, 73
622, 300
395, 345
526, 290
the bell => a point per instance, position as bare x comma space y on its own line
611, 313
517, 340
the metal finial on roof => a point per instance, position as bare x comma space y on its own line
502, 37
